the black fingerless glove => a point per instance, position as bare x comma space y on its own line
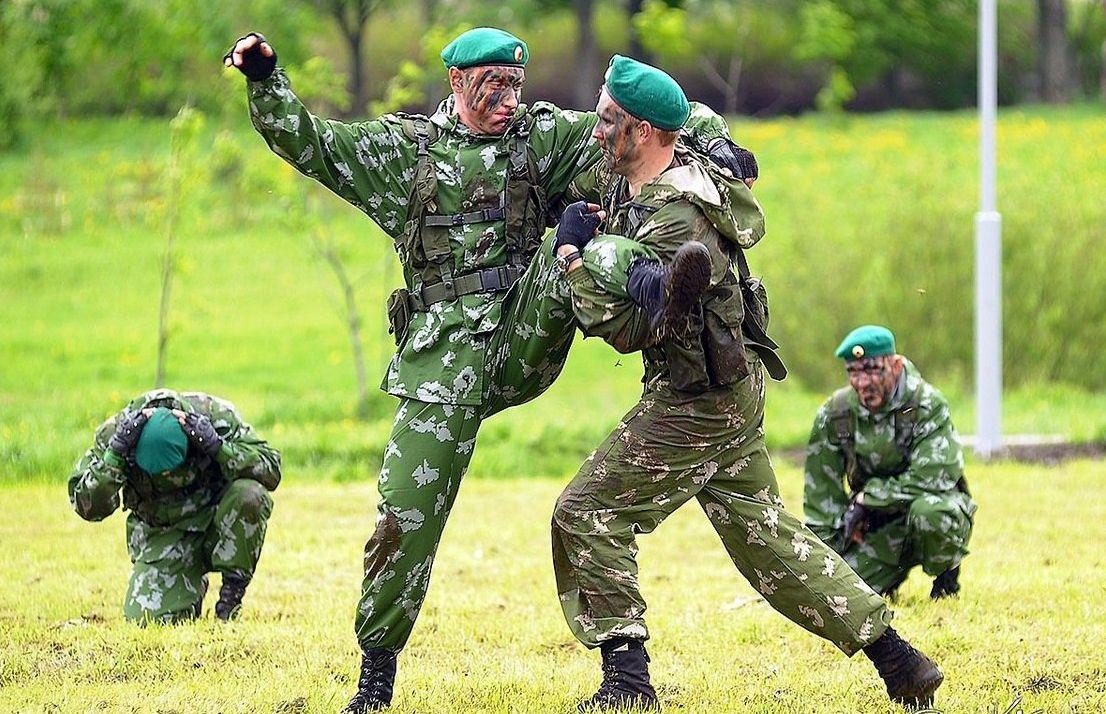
741, 162
202, 435
255, 65
127, 431
577, 226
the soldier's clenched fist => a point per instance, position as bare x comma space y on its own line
253, 56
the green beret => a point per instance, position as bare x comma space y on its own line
866, 341
647, 93
162, 444
485, 45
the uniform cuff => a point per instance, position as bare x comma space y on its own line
113, 459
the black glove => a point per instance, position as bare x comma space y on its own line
855, 519
202, 434
255, 65
127, 431
577, 226
741, 162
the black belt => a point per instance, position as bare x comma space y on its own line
486, 215
485, 280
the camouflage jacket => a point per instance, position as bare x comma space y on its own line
891, 478
690, 201
372, 165
182, 498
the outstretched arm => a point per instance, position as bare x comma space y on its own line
366, 163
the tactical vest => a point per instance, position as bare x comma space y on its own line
843, 425
730, 317
522, 207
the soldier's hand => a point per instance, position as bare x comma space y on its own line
741, 162
127, 431
253, 56
579, 224
200, 432
855, 521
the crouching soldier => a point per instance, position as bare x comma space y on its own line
662, 280
885, 473
196, 480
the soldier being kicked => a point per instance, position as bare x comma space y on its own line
697, 431
885, 480
196, 480
483, 323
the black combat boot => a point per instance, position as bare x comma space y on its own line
374, 686
910, 676
669, 293
946, 584
625, 679
230, 597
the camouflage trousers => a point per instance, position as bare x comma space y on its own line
672, 447
932, 533
431, 445
170, 564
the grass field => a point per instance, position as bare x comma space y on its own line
491, 637
859, 230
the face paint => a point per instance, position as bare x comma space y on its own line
616, 132
874, 380
489, 96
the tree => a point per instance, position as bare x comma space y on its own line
351, 16
1054, 61
586, 69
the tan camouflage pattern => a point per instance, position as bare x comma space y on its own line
928, 518
674, 446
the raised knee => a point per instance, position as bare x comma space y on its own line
250, 498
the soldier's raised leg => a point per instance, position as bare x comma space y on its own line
528, 351
427, 454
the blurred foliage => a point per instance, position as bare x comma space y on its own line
110, 57
869, 220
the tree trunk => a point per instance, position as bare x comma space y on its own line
587, 78
636, 49
1054, 63
1102, 65
357, 89
1102, 74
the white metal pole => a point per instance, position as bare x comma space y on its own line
988, 251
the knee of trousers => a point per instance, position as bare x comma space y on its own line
249, 498
569, 514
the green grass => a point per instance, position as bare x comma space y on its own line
869, 219
491, 637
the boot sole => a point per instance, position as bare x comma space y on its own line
921, 694
690, 276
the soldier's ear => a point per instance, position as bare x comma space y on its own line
456, 79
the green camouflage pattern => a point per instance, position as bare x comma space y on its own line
675, 445
371, 164
431, 445
927, 515
476, 355
207, 515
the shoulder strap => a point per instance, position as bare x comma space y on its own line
523, 199
904, 420
842, 424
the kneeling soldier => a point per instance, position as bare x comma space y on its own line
885, 473
196, 480
662, 280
